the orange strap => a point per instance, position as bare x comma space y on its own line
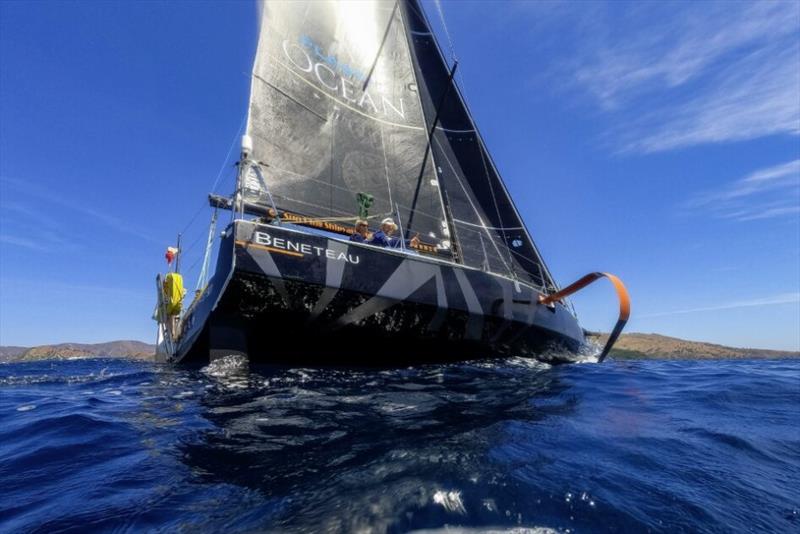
622, 295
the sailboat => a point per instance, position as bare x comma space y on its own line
355, 114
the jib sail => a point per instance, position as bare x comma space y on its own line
488, 229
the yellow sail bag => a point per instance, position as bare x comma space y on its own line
173, 293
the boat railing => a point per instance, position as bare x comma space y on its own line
474, 249
466, 242
480, 247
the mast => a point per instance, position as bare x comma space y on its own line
448, 227
443, 195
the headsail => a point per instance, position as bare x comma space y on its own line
489, 230
334, 111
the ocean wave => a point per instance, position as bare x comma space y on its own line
510, 445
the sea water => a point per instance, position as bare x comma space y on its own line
509, 445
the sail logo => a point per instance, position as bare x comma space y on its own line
293, 248
338, 79
331, 60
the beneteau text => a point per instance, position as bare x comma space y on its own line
294, 248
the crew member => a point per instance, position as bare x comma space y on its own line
383, 237
269, 217
360, 235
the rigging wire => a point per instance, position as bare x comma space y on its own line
202, 278
337, 187
494, 196
439, 9
219, 174
186, 250
193, 265
472, 204
230, 149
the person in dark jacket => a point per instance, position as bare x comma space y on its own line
383, 237
360, 235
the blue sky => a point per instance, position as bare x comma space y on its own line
658, 141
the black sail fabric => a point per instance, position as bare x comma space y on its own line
488, 230
335, 110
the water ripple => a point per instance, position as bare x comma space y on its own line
502, 446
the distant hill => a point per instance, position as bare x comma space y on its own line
11, 353
112, 349
628, 347
651, 346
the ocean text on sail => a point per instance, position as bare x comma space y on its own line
336, 77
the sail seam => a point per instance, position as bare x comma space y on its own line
290, 97
340, 188
448, 130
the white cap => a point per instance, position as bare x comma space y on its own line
388, 220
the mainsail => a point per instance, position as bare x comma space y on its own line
355, 96
334, 111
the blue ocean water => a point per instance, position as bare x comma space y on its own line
510, 445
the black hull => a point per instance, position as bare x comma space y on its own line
284, 296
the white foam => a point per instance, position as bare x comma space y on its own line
233, 364
450, 501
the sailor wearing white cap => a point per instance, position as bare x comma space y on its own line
383, 237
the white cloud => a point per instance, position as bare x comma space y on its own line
57, 288
47, 231
770, 212
763, 194
705, 72
23, 242
755, 97
35, 191
769, 178
783, 298
658, 49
